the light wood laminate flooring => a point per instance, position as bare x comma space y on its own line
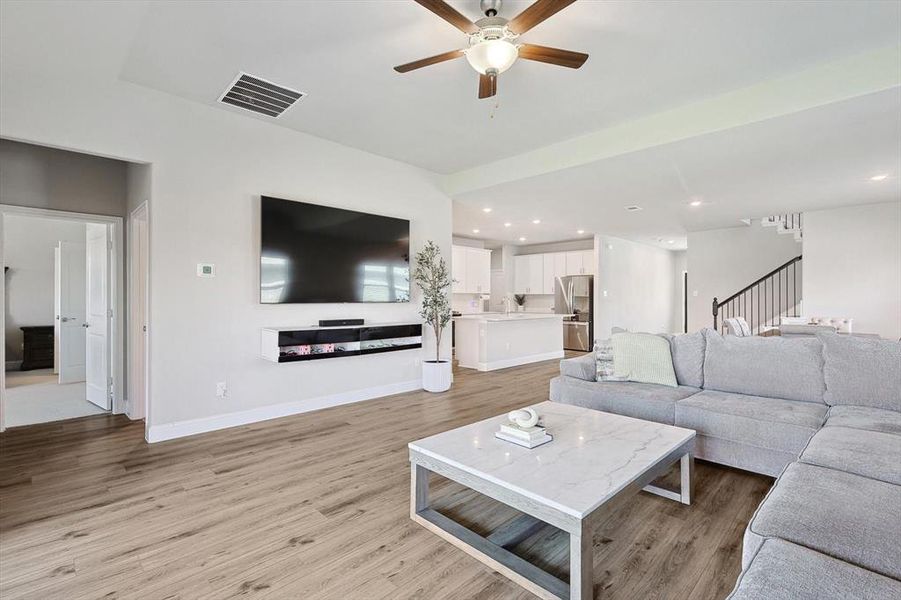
316, 506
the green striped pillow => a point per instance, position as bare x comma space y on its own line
643, 358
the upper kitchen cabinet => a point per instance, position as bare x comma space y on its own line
471, 270
528, 276
458, 269
580, 262
554, 267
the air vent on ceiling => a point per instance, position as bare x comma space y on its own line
633, 208
260, 96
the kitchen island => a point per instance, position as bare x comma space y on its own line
490, 341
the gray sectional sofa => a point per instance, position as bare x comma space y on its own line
823, 415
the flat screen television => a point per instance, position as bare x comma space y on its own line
318, 254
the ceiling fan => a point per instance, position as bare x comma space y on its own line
492, 40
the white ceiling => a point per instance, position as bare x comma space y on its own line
645, 57
817, 158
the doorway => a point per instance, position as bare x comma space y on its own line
62, 315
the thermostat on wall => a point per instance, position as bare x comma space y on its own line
206, 270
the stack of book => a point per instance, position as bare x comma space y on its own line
528, 437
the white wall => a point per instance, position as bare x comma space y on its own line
639, 281
28, 245
43, 177
723, 261
209, 167
852, 266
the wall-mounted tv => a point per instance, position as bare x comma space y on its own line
315, 254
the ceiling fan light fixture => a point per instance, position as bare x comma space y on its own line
492, 57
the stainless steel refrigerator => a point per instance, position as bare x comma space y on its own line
575, 296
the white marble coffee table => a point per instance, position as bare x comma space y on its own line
596, 462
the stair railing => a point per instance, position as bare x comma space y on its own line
762, 303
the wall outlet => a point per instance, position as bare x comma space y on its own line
221, 389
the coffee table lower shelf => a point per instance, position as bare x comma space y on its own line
493, 552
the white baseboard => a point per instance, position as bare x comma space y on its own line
519, 360
171, 431
13, 365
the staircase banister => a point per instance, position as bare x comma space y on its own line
748, 287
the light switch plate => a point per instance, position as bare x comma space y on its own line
206, 270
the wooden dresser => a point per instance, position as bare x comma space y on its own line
37, 347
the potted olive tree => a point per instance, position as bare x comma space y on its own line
432, 277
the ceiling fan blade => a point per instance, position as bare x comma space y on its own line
487, 86
449, 14
539, 11
424, 62
553, 56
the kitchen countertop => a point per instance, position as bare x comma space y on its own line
515, 316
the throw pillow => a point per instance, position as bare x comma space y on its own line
643, 358
603, 351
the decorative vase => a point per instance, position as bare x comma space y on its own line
436, 375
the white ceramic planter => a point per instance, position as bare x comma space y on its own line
436, 376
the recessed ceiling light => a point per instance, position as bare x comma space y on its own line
695, 203
581, 231
475, 230
633, 208
670, 241
507, 224
879, 177
486, 210
536, 221
522, 239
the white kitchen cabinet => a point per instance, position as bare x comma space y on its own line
580, 262
528, 274
588, 267
478, 271
471, 270
547, 284
573, 263
536, 274
554, 267
458, 269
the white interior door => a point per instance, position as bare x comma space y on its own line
56, 303
137, 383
98, 315
71, 317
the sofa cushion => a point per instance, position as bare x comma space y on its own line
639, 400
765, 366
867, 453
862, 371
861, 417
643, 358
846, 516
580, 367
782, 425
785, 571
688, 357
743, 456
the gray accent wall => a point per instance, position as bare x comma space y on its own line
42, 177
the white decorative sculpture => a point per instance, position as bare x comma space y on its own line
525, 417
